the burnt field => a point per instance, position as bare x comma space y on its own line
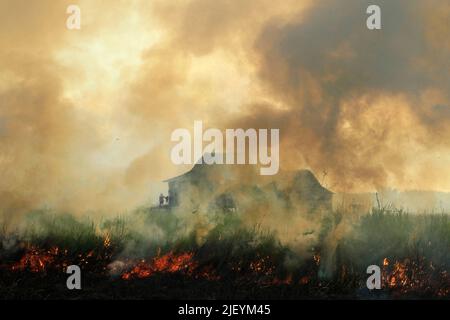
151, 255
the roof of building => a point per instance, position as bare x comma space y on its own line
301, 179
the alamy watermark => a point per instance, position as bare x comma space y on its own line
373, 22
74, 280
374, 280
235, 147
73, 21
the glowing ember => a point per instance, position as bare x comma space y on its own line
407, 276
287, 280
168, 263
304, 280
414, 276
36, 260
316, 258
262, 266
42, 260
107, 241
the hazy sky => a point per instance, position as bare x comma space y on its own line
86, 115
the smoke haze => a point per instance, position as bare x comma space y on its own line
86, 115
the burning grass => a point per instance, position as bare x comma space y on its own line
231, 261
168, 263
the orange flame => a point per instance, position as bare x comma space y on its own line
107, 241
169, 263
36, 260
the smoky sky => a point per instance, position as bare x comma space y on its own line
86, 115
328, 58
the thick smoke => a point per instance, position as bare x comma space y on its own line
361, 103
86, 116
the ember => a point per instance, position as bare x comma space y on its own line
36, 260
414, 276
168, 263
107, 241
